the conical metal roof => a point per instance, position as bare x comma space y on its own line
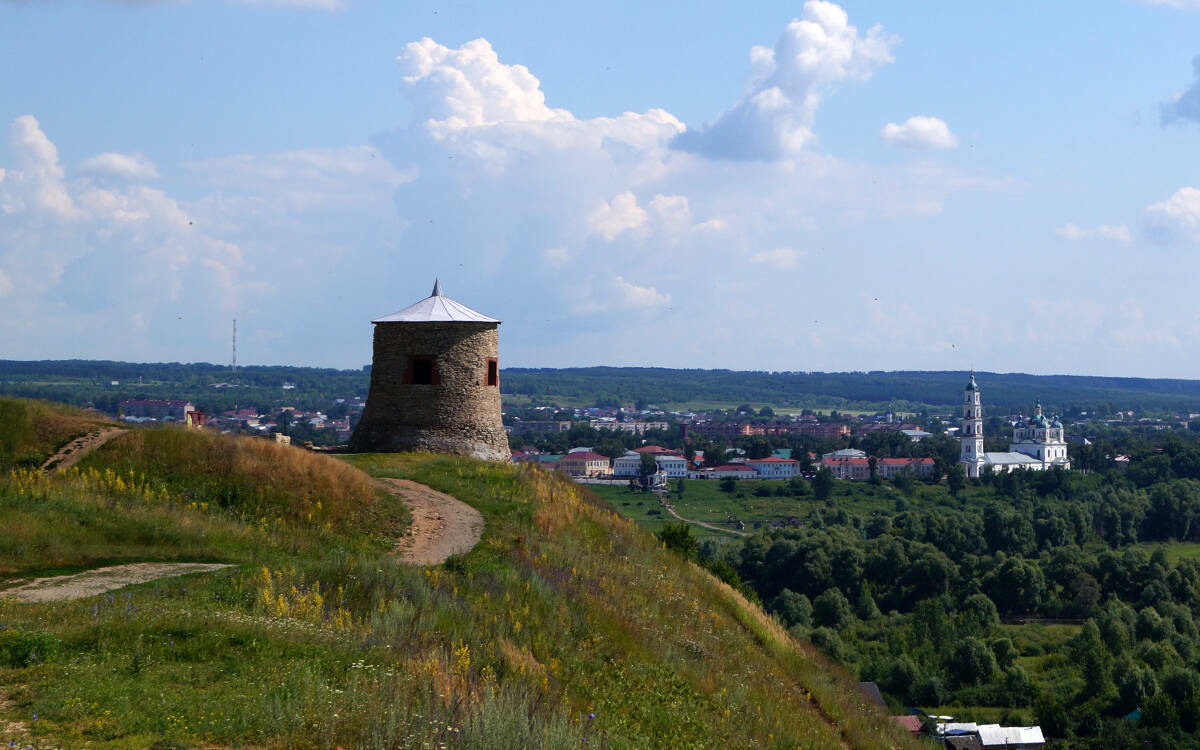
437, 309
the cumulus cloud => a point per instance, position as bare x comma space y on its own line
507, 186
120, 166
1186, 104
782, 258
1176, 218
921, 133
622, 214
36, 184
639, 296
1107, 232
79, 258
776, 113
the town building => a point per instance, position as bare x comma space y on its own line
1037, 442
737, 471
525, 428
149, 409
583, 464
773, 467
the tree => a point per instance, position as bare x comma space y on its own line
792, 608
956, 479
823, 483
1016, 586
728, 484
649, 466
766, 411
831, 609
971, 662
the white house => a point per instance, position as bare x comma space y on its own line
629, 465
673, 466
774, 467
737, 471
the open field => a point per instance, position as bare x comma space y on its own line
703, 500
1175, 551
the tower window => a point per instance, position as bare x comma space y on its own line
493, 371
421, 371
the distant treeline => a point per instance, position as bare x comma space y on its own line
907, 390
85, 381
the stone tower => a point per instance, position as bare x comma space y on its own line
435, 383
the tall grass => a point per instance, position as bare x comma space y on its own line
252, 478
31, 431
566, 625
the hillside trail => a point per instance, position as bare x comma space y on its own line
71, 453
100, 580
671, 509
442, 525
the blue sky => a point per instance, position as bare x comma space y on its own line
790, 186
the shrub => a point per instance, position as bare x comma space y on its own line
21, 648
678, 538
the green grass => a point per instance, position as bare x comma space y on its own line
1175, 551
704, 500
320, 638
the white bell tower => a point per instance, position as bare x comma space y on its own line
972, 456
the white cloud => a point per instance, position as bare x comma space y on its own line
1107, 232
79, 260
782, 258
120, 166
639, 296
36, 185
1186, 104
775, 115
500, 177
1176, 218
922, 133
612, 218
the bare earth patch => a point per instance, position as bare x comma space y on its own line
72, 452
442, 525
101, 580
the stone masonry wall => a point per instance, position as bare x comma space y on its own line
459, 415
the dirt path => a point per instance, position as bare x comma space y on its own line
671, 510
72, 452
442, 525
101, 580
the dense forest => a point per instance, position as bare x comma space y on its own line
88, 383
1067, 599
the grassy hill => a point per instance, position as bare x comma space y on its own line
566, 626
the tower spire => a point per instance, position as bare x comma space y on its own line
437, 288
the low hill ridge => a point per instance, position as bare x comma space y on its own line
566, 624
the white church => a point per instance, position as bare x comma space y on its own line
1037, 442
